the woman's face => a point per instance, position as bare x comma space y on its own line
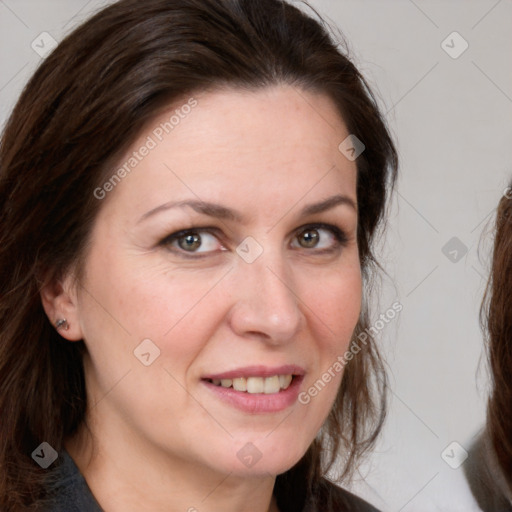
262, 283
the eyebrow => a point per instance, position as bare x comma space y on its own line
222, 212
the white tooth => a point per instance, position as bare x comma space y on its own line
271, 385
240, 384
255, 385
216, 382
284, 381
226, 383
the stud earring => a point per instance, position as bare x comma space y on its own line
61, 323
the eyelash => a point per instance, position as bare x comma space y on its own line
339, 235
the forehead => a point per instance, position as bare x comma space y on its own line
278, 142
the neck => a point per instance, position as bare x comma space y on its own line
148, 478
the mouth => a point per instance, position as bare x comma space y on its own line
256, 385
257, 389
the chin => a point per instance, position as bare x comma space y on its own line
253, 460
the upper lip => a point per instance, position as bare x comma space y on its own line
258, 371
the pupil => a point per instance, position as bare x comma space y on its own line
192, 241
310, 238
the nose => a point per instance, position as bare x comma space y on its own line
266, 303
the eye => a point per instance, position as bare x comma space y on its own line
194, 241
202, 241
322, 237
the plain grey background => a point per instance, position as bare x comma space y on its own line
451, 114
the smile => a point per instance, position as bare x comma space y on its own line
266, 385
257, 389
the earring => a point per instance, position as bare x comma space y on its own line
61, 323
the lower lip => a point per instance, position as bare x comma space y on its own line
258, 402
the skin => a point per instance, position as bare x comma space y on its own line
161, 440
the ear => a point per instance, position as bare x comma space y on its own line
60, 301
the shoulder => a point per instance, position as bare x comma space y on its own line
329, 497
69, 490
485, 477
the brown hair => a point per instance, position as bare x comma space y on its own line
82, 108
496, 317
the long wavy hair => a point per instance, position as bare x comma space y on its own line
84, 106
496, 319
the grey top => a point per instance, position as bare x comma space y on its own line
72, 494
485, 477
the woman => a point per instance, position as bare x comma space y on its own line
190, 190
489, 466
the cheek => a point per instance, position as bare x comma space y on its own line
335, 306
173, 306
335, 301
145, 294
177, 311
